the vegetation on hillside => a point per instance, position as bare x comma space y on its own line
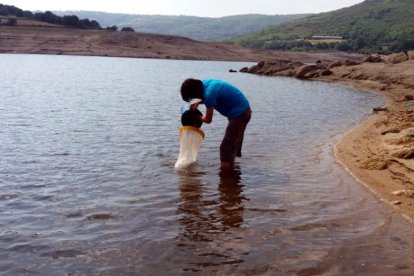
199, 28
49, 17
371, 26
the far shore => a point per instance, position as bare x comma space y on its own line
55, 40
379, 153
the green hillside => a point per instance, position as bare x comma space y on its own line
199, 28
371, 26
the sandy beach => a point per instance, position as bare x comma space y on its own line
379, 153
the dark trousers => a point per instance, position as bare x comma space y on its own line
233, 139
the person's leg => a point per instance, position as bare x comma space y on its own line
228, 146
232, 140
245, 120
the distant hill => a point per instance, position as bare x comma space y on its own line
30, 36
371, 26
199, 28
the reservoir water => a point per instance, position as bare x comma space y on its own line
88, 186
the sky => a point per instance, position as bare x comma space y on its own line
205, 8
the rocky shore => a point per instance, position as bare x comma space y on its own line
379, 152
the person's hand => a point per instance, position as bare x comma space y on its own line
194, 106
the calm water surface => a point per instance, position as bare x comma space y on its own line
87, 184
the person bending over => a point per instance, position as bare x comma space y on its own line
230, 102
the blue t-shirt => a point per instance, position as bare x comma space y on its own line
224, 97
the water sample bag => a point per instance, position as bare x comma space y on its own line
190, 143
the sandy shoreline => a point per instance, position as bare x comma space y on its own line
379, 152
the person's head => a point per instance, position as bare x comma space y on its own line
192, 89
192, 118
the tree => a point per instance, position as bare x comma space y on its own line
50, 18
344, 46
70, 20
113, 28
127, 29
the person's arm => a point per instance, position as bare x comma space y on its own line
208, 117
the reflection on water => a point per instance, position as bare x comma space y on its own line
88, 186
201, 217
231, 198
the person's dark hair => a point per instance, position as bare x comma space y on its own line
192, 118
192, 89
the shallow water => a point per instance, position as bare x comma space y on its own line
87, 184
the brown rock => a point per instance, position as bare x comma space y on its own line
275, 67
244, 70
351, 63
377, 109
409, 97
334, 64
410, 54
373, 58
397, 58
326, 72
308, 71
254, 69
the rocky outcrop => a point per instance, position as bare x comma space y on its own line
309, 71
397, 58
373, 58
275, 67
295, 68
279, 67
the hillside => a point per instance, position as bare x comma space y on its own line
31, 37
199, 28
371, 26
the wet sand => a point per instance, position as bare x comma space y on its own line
379, 153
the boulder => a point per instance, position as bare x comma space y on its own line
254, 69
380, 108
308, 71
397, 58
244, 70
326, 72
410, 54
409, 97
373, 58
350, 63
334, 64
275, 67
